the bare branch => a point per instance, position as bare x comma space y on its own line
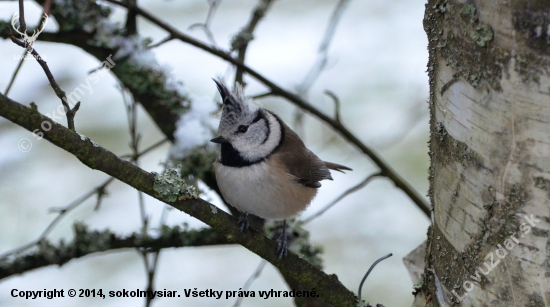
70, 113
131, 20
368, 272
349, 191
414, 116
320, 62
62, 213
43, 18
212, 6
164, 40
6, 92
250, 280
263, 95
88, 242
99, 191
336, 104
322, 56
242, 39
147, 150
22, 23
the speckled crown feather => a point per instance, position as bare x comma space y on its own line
237, 107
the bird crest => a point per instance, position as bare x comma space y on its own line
237, 108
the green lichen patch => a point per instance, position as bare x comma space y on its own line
240, 39
170, 187
469, 13
542, 183
466, 45
153, 83
86, 15
196, 164
482, 35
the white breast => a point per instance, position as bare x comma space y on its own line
263, 189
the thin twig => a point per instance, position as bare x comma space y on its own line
22, 23
368, 272
62, 212
336, 104
415, 115
131, 113
250, 280
70, 113
212, 6
164, 40
151, 269
6, 92
46, 11
349, 191
385, 169
263, 95
320, 62
243, 38
99, 191
154, 146
164, 215
322, 56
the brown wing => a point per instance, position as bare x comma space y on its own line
301, 162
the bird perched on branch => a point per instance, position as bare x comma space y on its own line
263, 167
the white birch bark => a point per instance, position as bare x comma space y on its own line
490, 148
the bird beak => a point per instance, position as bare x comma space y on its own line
219, 140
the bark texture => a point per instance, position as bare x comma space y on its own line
490, 145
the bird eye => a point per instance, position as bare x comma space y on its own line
242, 129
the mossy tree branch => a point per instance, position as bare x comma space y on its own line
88, 242
103, 160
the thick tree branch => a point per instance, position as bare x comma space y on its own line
88, 242
101, 159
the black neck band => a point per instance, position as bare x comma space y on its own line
231, 157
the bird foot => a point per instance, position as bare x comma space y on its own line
243, 222
282, 250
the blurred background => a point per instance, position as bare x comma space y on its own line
376, 66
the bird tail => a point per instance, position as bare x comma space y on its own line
337, 167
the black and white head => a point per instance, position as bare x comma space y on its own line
248, 134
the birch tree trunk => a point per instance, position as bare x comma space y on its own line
490, 141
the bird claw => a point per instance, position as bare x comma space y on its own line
243, 222
282, 250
